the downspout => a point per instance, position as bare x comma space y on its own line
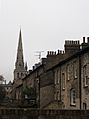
60, 86
80, 92
39, 91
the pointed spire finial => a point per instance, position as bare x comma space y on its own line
20, 41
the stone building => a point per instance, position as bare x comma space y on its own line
60, 80
71, 82
20, 70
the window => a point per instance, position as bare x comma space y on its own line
17, 75
85, 77
68, 72
63, 81
57, 96
75, 70
84, 106
21, 74
75, 73
26, 96
58, 81
72, 97
56, 77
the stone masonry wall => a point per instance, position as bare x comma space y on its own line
46, 95
43, 114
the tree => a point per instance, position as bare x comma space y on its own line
29, 92
2, 93
1, 79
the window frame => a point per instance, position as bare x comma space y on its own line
63, 81
85, 77
72, 97
84, 105
68, 72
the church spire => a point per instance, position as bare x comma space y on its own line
19, 60
20, 70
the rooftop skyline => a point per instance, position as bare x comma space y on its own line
45, 25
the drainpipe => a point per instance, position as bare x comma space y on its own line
80, 92
60, 86
39, 91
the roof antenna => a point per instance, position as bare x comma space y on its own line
39, 54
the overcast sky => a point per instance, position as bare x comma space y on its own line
45, 25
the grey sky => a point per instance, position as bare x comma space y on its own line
45, 25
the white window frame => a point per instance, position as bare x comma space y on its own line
73, 97
58, 96
85, 77
55, 77
75, 70
75, 73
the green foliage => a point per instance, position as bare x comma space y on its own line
2, 93
29, 91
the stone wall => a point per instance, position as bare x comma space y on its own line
85, 80
43, 114
46, 95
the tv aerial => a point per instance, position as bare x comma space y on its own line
39, 54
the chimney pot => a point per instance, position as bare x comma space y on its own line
48, 53
87, 39
83, 39
58, 51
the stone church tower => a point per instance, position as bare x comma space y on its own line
20, 70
